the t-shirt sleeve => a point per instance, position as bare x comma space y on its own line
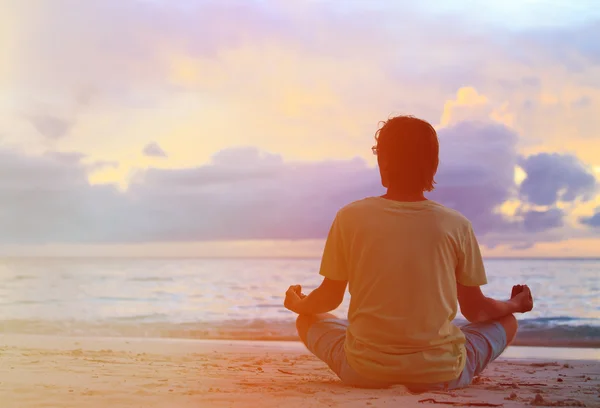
470, 270
333, 263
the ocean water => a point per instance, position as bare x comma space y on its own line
242, 298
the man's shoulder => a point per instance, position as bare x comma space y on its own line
367, 205
451, 214
358, 205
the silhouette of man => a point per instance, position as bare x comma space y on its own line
408, 263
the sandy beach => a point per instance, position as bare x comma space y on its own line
54, 371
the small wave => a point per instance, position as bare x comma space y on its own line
142, 317
51, 301
561, 321
551, 319
122, 299
262, 306
151, 279
23, 277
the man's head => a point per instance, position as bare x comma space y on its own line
407, 152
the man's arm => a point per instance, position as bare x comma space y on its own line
477, 308
327, 297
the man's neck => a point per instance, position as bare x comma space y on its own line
404, 196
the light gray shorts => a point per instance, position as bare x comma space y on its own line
485, 342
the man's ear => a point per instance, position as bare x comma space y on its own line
383, 171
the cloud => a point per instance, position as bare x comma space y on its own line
593, 221
536, 221
53, 128
189, 70
66, 157
227, 50
245, 193
469, 105
47, 198
101, 165
154, 150
228, 166
250, 72
553, 177
582, 102
476, 174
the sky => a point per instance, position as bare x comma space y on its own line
239, 128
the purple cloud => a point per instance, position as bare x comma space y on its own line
66, 157
243, 193
583, 102
154, 150
536, 221
47, 199
49, 126
553, 177
593, 221
253, 195
476, 172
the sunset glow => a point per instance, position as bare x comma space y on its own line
188, 126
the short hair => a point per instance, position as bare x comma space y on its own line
410, 148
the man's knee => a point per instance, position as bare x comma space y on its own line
304, 322
511, 326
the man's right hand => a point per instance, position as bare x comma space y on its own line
521, 298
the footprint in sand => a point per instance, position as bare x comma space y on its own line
193, 392
151, 385
90, 393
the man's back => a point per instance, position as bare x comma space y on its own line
409, 263
402, 261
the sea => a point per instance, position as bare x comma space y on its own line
242, 299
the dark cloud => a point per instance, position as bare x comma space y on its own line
101, 164
243, 194
47, 199
582, 102
66, 157
50, 126
553, 177
531, 81
84, 96
76, 159
593, 221
237, 165
537, 221
476, 173
522, 246
154, 150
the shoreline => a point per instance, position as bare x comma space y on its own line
93, 372
263, 330
521, 341
514, 351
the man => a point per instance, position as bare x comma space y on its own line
409, 262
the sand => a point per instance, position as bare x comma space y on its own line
53, 371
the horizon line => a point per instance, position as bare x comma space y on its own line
199, 257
